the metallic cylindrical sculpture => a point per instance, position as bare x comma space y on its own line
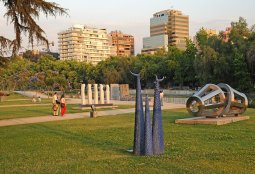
157, 126
217, 101
89, 94
95, 94
209, 101
138, 148
148, 148
83, 101
236, 102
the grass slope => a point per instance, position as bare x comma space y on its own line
99, 146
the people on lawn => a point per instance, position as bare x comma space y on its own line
63, 105
55, 103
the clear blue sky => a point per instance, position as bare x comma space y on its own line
133, 16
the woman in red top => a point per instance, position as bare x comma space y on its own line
63, 105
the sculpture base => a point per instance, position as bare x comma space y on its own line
213, 121
93, 114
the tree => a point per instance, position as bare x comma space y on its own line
22, 14
242, 80
185, 72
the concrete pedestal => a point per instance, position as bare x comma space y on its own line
93, 114
215, 121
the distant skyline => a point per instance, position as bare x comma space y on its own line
133, 17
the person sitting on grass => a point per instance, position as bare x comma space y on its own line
33, 99
39, 99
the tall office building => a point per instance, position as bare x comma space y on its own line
122, 43
168, 27
83, 43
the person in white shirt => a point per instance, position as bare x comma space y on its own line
55, 103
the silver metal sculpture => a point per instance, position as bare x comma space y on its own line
236, 102
217, 101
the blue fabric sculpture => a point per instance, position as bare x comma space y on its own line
148, 132
157, 129
138, 148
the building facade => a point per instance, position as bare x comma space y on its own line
155, 43
170, 23
122, 44
82, 43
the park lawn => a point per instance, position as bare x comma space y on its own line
32, 111
44, 110
14, 96
17, 99
24, 101
99, 146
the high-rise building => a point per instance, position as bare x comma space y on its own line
122, 43
83, 43
168, 26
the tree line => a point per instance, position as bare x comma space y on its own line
212, 60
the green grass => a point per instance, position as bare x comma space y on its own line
9, 111
24, 101
17, 99
31, 111
42, 110
13, 96
99, 146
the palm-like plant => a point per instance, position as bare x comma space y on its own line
22, 14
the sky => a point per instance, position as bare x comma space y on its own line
133, 16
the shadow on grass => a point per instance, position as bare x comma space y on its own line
87, 140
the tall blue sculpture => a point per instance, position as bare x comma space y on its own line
148, 150
138, 148
157, 129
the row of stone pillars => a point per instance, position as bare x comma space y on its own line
101, 92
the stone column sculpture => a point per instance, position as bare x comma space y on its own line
101, 94
83, 101
107, 93
148, 150
157, 129
138, 148
95, 94
89, 94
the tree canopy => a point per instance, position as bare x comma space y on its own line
212, 60
22, 14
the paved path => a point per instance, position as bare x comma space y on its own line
30, 120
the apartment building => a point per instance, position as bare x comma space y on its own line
82, 43
171, 24
123, 44
211, 32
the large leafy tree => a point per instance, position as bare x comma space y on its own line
22, 14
